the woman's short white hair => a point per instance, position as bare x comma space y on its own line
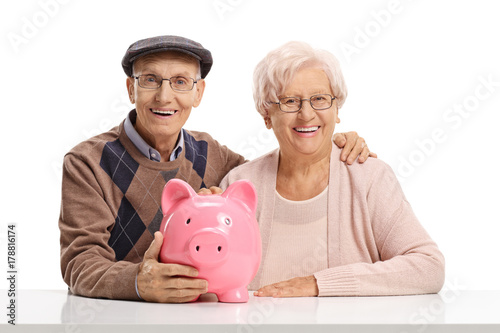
276, 71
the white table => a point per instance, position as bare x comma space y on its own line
450, 311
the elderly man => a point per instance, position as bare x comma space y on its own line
112, 183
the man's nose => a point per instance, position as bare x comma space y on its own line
164, 93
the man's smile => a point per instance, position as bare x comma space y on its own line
163, 111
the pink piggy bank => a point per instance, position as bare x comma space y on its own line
216, 234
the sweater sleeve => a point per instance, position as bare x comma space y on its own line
88, 263
230, 158
409, 261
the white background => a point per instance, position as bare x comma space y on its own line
409, 66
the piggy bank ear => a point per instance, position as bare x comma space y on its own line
174, 191
244, 191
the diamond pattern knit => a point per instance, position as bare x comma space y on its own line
111, 206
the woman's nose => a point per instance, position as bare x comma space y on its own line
306, 113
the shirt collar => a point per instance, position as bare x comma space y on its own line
142, 145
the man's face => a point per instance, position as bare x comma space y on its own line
162, 112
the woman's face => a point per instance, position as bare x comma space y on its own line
308, 131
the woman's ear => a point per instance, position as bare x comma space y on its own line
267, 121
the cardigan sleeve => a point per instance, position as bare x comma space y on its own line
88, 263
409, 260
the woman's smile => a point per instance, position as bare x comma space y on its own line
306, 131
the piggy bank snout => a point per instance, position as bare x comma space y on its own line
208, 248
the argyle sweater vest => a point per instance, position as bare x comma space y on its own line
110, 207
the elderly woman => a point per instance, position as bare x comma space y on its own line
328, 229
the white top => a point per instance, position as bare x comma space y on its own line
298, 243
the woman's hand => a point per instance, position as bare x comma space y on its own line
353, 145
296, 287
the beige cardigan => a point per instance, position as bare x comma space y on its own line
376, 245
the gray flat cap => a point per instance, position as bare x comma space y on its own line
167, 43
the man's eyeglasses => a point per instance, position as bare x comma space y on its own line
294, 104
177, 83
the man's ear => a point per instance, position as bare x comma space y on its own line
131, 89
200, 89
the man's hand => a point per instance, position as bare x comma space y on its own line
296, 287
353, 145
211, 190
167, 283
